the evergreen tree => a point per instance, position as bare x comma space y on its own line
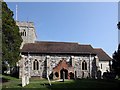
11, 39
116, 61
0, 37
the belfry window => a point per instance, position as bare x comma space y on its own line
24, 33
35, 65
84, 65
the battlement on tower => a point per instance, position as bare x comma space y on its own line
25, 24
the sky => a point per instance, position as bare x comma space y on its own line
61, 0
92, 23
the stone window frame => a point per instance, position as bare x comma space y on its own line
34, 66
23, 33
84, 65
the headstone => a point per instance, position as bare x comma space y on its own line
25, 72
98, 74
63, 76
27, 80
23, 81
49, 80
82, 74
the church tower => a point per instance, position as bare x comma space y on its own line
27, 32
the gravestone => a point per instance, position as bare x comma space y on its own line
27, 81
98, 74
25, 71
23, 81
49, 80
63, 76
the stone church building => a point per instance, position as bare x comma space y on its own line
58, 59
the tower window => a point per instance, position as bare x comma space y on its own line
24, 33
84, 65
35, 65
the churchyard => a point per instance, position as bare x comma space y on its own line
43, 84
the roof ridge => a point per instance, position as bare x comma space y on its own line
56, 42
98, 48
85, 44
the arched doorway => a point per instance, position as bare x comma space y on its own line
64, 72
71, 75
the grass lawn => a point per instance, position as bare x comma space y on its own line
42, 84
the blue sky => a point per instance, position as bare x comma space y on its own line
83, 22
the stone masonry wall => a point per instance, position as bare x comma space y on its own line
48, 62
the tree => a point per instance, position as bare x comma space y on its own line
116, 61
11, 39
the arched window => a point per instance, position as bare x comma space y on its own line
84, 65
24, 33
35, 65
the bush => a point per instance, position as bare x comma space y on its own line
109, 75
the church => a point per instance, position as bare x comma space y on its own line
58, 59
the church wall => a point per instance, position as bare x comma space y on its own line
48, 62
78, 66
104, 66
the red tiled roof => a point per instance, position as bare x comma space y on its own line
101, 54
63, 48
56, 47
